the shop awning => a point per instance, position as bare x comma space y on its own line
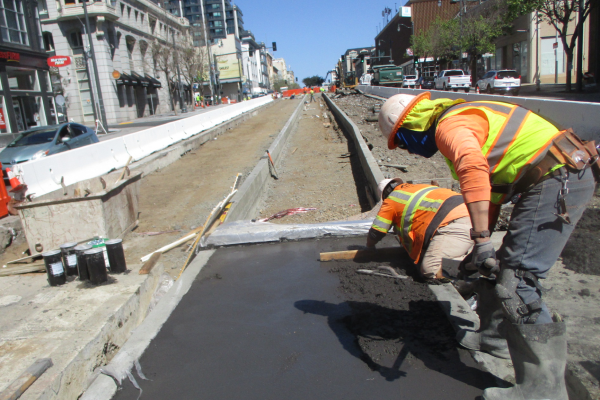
124, 80
140, 80
154, 82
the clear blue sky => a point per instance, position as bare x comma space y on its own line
312, 34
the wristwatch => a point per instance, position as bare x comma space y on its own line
479, 235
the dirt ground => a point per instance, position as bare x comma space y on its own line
582, 252
316, 172
179, 197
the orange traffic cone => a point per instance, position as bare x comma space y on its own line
14, 181
477, 88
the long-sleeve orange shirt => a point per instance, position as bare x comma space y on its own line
460, 139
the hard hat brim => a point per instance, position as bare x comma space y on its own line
402, 117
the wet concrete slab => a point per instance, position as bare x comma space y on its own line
244, 331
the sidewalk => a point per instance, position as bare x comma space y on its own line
558, 92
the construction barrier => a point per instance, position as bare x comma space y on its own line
45, 175
579, 115
301, 91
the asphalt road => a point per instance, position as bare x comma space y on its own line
239, 333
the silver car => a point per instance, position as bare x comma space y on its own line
505, 81
410, 81
44, 141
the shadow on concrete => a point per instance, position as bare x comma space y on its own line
372, 325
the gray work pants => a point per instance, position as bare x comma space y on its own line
536, 236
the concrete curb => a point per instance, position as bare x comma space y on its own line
246, 200
103, 386
370, 166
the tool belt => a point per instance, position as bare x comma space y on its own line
568, 149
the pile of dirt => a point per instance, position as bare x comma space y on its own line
359, 109
394, 319
582, 252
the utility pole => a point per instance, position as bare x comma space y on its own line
537, 51
87, 70
556, 58
95, 66
181, 106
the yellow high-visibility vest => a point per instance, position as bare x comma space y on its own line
517, 138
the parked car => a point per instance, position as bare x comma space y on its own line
453, 79
505, 81
410, 81
426, 82
45, 141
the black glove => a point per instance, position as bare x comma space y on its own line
482, 259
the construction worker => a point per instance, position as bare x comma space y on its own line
502, 152
312, 95
322, 90
438, 228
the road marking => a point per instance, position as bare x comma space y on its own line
125, 123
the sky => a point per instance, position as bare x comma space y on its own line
311, 35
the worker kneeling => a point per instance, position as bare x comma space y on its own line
431, 223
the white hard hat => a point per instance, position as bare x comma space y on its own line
394, 111
384, 183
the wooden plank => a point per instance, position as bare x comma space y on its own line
26, 379
148, 265
360, 254
22, 269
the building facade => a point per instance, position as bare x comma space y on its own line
26, 99
132, 82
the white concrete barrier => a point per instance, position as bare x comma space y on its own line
44, 175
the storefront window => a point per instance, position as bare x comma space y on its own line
22, 79
39, 116
4, 124
12, 22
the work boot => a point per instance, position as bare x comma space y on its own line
539, 357
487, 338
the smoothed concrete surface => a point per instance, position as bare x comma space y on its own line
77, 325
237, 334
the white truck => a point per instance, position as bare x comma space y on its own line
453, 79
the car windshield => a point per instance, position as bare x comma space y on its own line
428, 78
410, 77
455, 72
507, 74
38, 136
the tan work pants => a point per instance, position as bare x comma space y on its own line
450, 241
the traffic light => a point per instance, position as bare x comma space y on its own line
274, 46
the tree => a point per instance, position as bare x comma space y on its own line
559, 14
193, 62
478, 35
162, 55
315, 80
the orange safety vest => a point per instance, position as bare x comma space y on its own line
415, 211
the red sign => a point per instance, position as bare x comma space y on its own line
2, 121
10, 56
59, 61
555, 45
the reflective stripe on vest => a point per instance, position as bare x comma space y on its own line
411, 209
517, 138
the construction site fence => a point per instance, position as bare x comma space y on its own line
579, 115
303, 91
48, 174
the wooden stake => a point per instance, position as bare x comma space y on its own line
147, 267
360, 254
26, 379
124, 169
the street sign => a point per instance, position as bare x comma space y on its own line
555, 45
405, 12
59, 61
60, 100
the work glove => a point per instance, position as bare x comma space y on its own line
482, 259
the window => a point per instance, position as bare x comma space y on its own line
218, 23
43, 8
231, 29
122, 9
216, 15
195, 9
48, 41
22, 78
76, 39
136, 15
218, 31
12, 22
215, 6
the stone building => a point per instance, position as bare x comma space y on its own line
123, 32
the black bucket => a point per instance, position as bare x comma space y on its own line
81, 263
69, 258
54, 268
96, 266
116, 255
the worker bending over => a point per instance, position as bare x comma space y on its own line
431, 223
502, 152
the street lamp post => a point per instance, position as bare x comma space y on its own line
181, 106
537, 52
95, 66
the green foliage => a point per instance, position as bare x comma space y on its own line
313, 81
479, 33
